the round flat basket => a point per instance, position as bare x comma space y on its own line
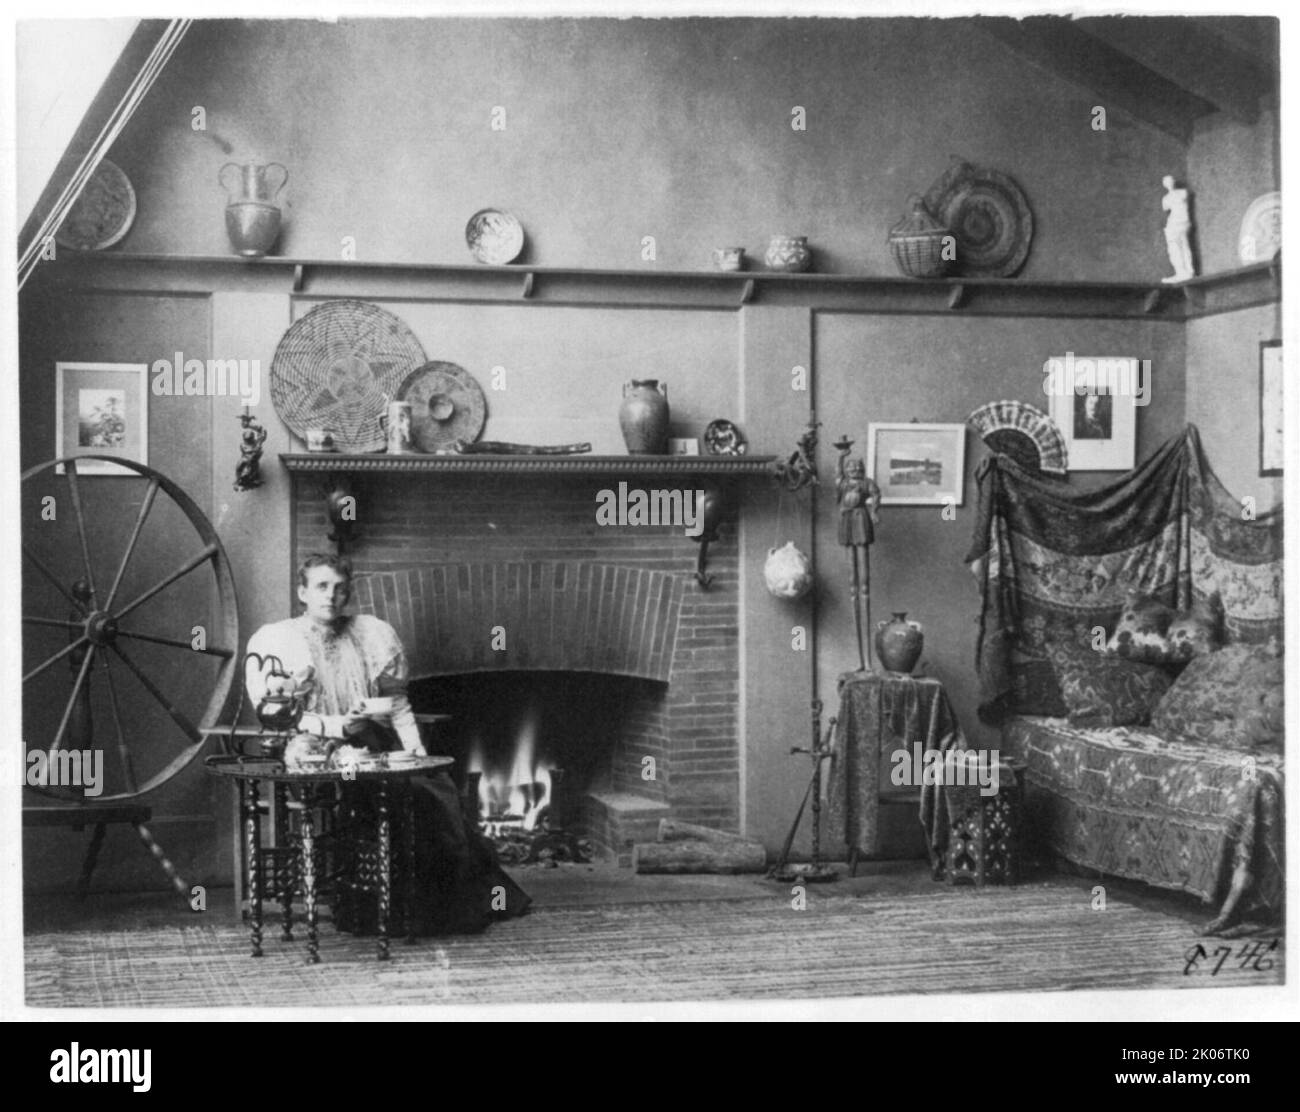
102, 214
336, 369
447, 405
988, 214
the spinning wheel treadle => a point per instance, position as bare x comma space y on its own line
87, 615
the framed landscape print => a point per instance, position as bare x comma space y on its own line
1094, 404
101, 409
917, 465
1270, 407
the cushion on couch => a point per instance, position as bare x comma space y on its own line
1232, 698
1154, 633
1104, 690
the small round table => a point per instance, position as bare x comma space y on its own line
304, 788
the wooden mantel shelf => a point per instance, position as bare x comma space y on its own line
473, 464
648, 288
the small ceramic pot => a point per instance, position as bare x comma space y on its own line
899, 643
729, 258
788, 253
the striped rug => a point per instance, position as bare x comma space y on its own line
1035, 937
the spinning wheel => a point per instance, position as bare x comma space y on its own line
127, 613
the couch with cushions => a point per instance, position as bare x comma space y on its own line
1130, 646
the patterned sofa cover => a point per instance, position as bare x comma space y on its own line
1177, 814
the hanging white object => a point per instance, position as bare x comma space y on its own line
788, 572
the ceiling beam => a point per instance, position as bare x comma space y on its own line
1182, 51
1113, 78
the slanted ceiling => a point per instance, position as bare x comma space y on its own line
1168, 71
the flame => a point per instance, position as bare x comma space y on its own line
523, 792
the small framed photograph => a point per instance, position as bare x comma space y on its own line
1270, 407
683, 446
917, 465
102, 409
1094, 404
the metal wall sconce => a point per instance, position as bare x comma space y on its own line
248, 471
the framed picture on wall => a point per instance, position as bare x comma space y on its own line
917, 465
1094, 404
1270, 407
101, 409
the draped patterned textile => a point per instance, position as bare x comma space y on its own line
1055, 563
880, 713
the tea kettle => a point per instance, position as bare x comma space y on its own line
280, 708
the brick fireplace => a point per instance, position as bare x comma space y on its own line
492, 575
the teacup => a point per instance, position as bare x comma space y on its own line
729, 258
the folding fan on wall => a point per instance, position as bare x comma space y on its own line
1028, 435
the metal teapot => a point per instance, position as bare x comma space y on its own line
280, 707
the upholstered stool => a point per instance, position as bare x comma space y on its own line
984, 837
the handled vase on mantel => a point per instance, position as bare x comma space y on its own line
643, 417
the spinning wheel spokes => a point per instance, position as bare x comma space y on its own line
177, 716
82, 673
74, 490
123, 753
31, 619
39, 564
71, 647
146, 504
180, 572
186, 645
169, 694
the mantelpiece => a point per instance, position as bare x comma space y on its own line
337, 468
1259, 284
728, 467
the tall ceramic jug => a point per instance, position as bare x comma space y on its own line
643, 417
252, 214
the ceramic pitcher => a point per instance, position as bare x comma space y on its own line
252, 214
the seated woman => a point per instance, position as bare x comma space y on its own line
337, 660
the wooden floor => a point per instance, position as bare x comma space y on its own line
599, 934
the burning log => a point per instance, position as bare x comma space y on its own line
732, 856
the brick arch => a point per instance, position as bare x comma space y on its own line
556, 615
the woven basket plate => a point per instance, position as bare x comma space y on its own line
104, 212
337, 368
447, 405
988, 214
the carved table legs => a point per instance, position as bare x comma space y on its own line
253, 847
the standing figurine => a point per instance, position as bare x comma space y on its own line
859, 501
248, 471
1178, 231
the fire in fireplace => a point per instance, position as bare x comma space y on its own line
528, 748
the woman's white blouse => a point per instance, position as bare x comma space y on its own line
349, 660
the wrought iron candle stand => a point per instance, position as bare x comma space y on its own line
814, 871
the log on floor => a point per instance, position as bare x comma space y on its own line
699, 857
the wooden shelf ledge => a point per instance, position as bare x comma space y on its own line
649, 288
